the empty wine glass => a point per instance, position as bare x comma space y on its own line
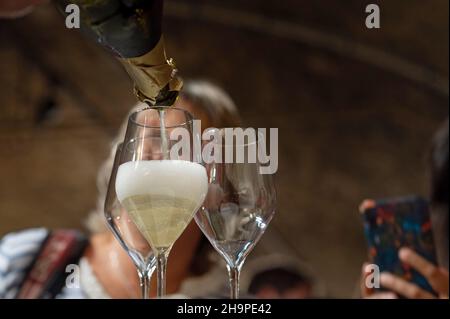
239, 205
127, 234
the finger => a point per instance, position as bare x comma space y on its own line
366, 204
434, 276
403, 287
363, 288
383, 295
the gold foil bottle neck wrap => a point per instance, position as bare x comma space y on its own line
155, 77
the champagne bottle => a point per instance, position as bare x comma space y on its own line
132, 30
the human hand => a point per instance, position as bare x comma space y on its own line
437, 277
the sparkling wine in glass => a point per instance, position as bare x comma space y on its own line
239, 206
160, 190
126, 232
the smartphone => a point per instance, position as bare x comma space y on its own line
393, 223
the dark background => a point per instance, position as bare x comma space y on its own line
355, 108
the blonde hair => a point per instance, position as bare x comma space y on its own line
211, 99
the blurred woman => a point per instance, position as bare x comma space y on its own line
105, 269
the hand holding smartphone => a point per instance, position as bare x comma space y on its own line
389, 225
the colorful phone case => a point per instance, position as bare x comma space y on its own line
390, 224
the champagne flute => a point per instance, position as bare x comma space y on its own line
161, 190
238, 208
127, 233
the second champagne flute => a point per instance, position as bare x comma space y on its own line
160, 190
240, 203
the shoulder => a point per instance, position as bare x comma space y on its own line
17, 252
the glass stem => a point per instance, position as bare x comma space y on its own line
234, 273
161, 266
144, 282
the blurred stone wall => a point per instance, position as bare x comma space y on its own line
355, 109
